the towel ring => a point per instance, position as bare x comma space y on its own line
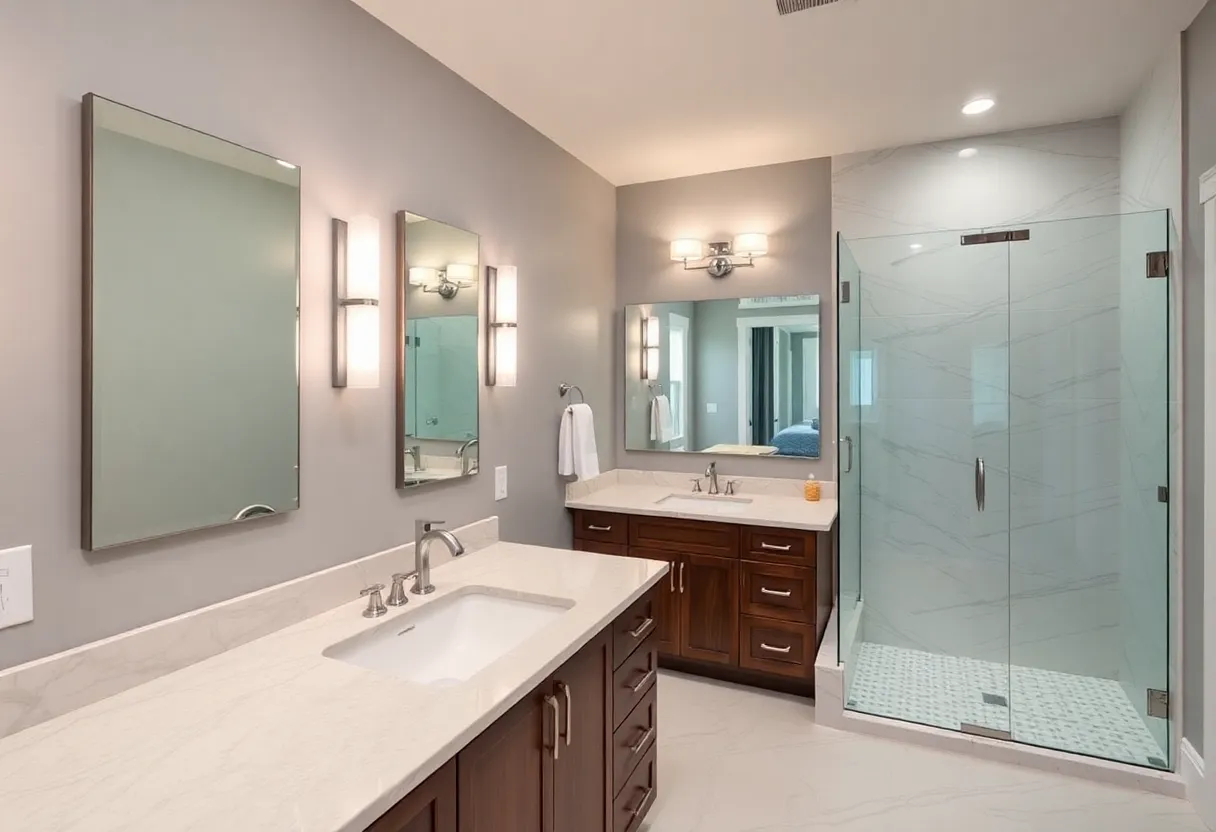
564, 390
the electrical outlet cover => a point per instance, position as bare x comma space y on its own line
500, 482
16, 586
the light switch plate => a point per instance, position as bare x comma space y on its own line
16, 586
710, 407
500, 482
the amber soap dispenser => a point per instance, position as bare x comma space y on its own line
810, 489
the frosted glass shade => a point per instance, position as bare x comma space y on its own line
420, 276
363, 258
751, 245
363, 346
462, 274
650, 333
506, 356
506, 296
687, 250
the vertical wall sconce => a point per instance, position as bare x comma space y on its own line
650, 348
356, 348
502, 343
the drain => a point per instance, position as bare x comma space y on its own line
996, 699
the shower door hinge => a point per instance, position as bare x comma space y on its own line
1158, 704
844, 291
984, 731
1158, 264
1163, 494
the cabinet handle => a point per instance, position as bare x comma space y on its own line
551, 701
644, 682
681, 578
770, 648
599, 528
645, 802
642, 741
671, 576
569, 710
773, 548
766, 591
642, 628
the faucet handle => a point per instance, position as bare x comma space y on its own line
731, 487
375, 606
696, 485
397, 596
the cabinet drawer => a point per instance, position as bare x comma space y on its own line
634, 679
633, 627
618, 549
780, 647
688, 536
601, 526
773, 590
634, 738
635, 800
788, 546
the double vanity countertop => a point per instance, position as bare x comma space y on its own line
778, 511
273, 735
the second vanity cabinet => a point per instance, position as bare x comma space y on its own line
746, 603
577, 754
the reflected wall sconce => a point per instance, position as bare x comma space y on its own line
445, 282
356, 349
723, 258
502, 344
650, 348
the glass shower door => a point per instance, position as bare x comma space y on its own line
852, 387
932, 351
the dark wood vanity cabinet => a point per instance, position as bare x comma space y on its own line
564, 758
746, 603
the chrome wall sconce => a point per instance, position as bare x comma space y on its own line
651, 355
445, 282
356, 347
723, 258
502, 340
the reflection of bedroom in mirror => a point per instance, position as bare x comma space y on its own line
738, 376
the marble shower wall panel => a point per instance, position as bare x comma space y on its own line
938, 320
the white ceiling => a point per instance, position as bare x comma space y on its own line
652, 89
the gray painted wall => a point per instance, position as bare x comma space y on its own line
790, 202
1198, 156
325, 85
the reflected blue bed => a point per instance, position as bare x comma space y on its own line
798, 440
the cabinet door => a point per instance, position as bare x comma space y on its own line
429, 808
667, 599
709, 609
581, 772
506, 774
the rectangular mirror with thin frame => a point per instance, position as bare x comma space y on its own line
438, 324
191, 293
737, 376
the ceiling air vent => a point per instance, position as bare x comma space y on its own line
791, 6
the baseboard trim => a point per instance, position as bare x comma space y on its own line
1190, 767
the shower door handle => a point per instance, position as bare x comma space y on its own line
848, 440
979, 483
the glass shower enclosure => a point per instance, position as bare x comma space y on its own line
1004, 457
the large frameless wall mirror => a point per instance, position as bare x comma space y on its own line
738, 376
438, 290
191, 286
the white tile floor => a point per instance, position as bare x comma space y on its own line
1079, 714
733, 759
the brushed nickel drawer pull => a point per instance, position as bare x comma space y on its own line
642, 628
766, 591
599, 528
770, 648
681, 578
642, 741
646, 680
569, 710
774, 548
645, 802
551, 701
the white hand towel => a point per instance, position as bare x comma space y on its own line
661, 429
576, 452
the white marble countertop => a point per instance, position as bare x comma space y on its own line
773, 510
274, 736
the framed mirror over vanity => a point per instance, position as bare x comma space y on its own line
190, 337
438, 304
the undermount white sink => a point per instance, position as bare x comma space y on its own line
704, 504
451, 639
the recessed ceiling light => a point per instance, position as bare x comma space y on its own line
287, 165
968, 152
916, 246
979, 105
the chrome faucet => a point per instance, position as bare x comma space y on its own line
424, 536
415, 452
712, 473
468, 465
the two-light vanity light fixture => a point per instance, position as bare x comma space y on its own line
356, 280
723, 257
